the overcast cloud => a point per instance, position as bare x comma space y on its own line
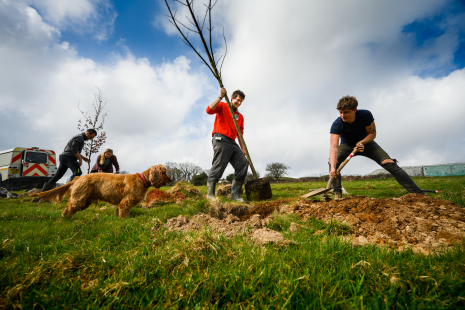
294, 60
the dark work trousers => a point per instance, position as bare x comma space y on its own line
375, 152
226, 150
66, 162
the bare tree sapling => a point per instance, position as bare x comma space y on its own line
94, 120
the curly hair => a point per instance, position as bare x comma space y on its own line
347, 102
102, 156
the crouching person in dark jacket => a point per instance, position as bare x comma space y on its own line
71, 158
105, 162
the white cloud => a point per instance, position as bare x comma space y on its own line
293, 60
45, 79
82, 16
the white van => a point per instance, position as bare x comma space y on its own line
24, 168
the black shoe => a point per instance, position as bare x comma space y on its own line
211, 185
236, 189
47, 187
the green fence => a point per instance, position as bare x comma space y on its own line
444, 170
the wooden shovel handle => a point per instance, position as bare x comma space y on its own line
342, 166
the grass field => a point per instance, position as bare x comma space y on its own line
96, 260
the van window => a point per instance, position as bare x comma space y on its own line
37, 158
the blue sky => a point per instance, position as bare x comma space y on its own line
404, 61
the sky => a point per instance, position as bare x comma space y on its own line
403, 60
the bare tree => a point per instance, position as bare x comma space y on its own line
277, 170
173, 172
182, 171
94, 121
196, 25
188, 170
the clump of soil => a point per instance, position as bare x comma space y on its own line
255, 227
186, 189
221, 210
413, 220
29, 193
179, 192
265, 236
157, 196
226, 190
265, 208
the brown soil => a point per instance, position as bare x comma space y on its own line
412, 220
265, 208
29, 193
184, 188
226, 190
221, 210
229, 227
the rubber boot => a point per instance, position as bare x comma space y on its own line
47, 187
211, 185
236, 189
337, 196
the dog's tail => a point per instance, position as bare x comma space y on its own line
56, 194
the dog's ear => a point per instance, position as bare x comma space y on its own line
156, 175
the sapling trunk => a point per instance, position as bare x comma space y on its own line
213, 68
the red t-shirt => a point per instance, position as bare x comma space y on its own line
223, 121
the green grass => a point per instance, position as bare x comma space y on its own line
47, 262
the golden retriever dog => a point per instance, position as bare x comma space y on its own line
123, 190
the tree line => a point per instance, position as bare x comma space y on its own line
194, 174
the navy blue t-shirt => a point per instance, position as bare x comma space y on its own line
352, 133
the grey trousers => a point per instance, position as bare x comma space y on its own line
226, 150
375, 152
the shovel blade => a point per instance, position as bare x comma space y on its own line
316, 192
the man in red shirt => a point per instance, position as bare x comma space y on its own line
225, 148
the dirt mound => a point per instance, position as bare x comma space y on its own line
412, 220
186, 189
29, 193
156, 197
221, 210
226, 190
265, 236
229, 227
265, 208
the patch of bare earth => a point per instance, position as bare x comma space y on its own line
228, 223
413, 220
265, 208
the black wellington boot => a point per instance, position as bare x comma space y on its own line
211, 185
236, 189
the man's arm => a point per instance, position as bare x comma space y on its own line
75, 149
79, 158
371, 129
215, 103
333, 153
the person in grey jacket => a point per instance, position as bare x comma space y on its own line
71, 158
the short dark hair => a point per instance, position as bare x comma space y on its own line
238, 93
92, 131
347, 102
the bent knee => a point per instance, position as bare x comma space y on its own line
387, 161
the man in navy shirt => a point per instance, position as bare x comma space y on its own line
356, 128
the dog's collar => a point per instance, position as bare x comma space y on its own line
143, 180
